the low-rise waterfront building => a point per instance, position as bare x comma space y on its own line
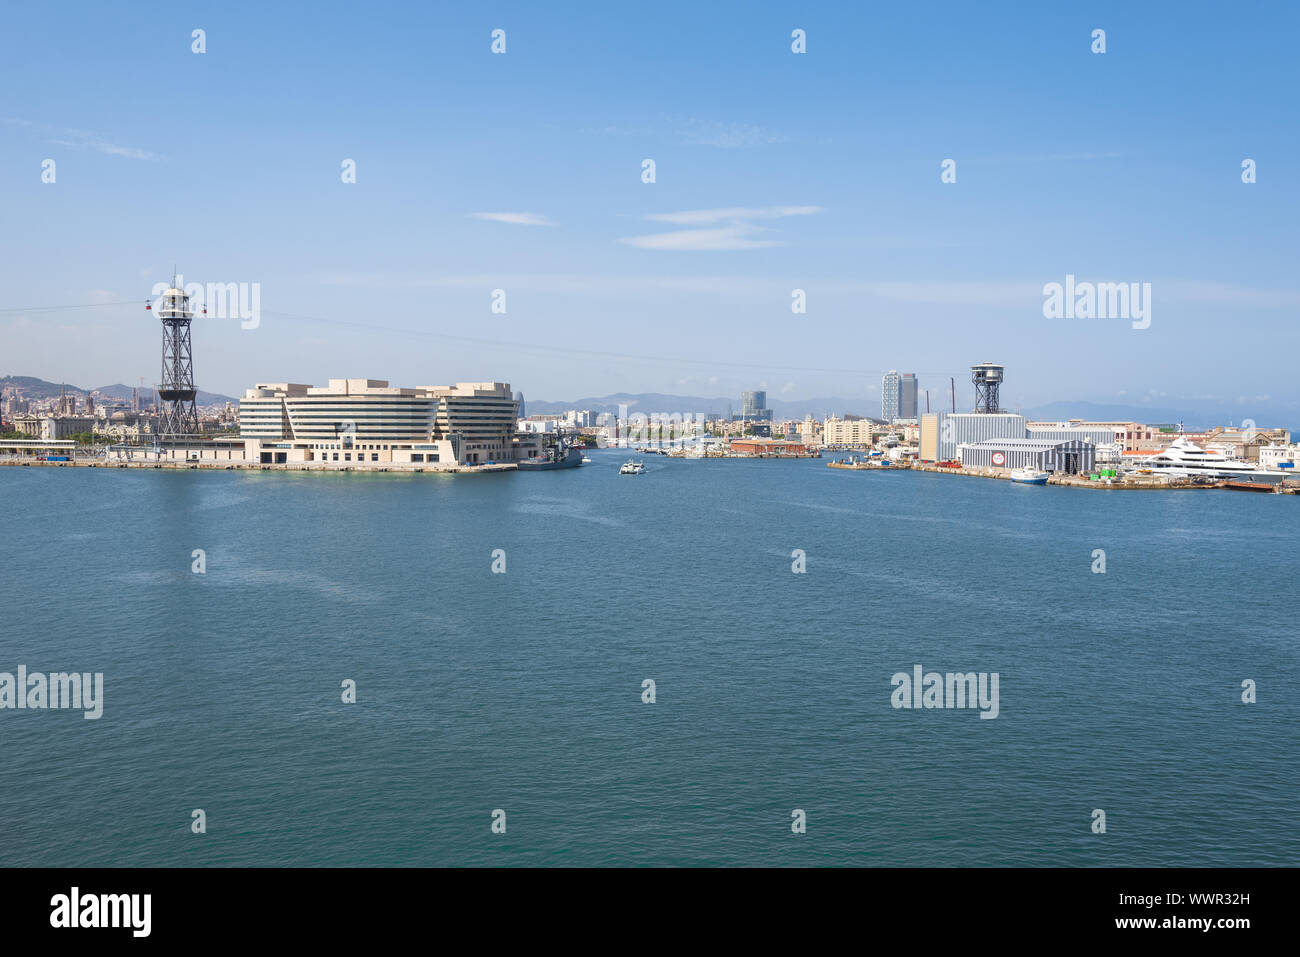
367, 422
1070, 456
1279, 456
539, 425
849, 431
1133, 436
768, 447
1240, 443
51, 428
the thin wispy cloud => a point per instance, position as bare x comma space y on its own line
695, 131
515, 219
1046, 158
728, 136
80, 139
697, 217
735, 228
739, 236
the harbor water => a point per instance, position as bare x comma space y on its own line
521, 689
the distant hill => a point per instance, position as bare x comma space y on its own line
123, 393
660, 402
34, 388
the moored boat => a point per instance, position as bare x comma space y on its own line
1029, 476
1185, 459
559, 456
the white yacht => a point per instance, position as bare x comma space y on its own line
632, 467
1186, 459
1029, 476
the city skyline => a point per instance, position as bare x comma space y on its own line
1192, 416
478, 172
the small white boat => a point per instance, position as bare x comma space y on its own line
1029, 477
632, 467
586, 459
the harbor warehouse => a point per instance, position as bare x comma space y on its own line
942, 432
1048, 455
766, 447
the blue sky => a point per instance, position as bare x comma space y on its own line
775, 171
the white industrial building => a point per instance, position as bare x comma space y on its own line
1064, 432
1070, 456
943, 432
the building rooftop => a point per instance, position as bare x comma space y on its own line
1028, 445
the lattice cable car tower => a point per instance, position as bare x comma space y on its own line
178, 417
987, 377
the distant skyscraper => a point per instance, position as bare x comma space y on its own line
519, 397
898, 396
907, 396
891, 392
753, 407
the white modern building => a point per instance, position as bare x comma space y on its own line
538, 426
368, 422
1277, 456
890, 395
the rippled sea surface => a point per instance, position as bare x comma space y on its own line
522, 691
